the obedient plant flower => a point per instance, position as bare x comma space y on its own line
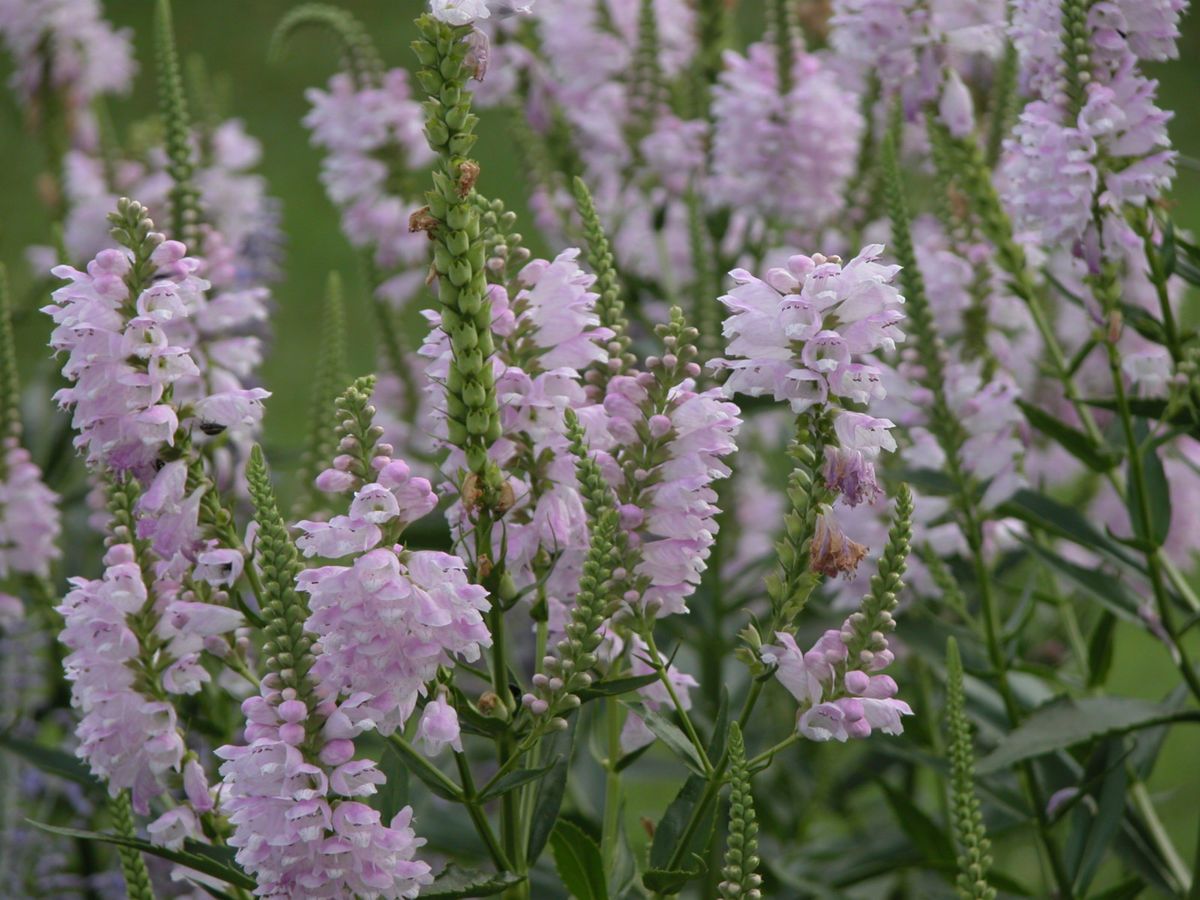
465, 12
670, 440
65, 47
388, 621
372, 134
29, 518
800, 336
838, 682
292, 790
127, 736
1095, 119
127, 325
784, 153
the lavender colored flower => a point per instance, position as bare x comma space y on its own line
838, 699
359, 127
673, 521
127, 737
438, 727
778, 342
298, 825
787, 158
29, 518
68, 47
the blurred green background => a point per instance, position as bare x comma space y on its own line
232, 36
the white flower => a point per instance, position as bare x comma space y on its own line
464, 12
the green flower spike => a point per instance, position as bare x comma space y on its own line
288, 648
459, 256
974, 856
185, 202
742, 881
133, 867
328, 377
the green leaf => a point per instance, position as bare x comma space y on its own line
515, 779
670, 734
1092, 835
1100, 649
393, 796
578, 861
1157, 499
420, 767
1077, 443
454, 883
1110, 590
1063, 521
932, 842
548, 800
1067, 722
204, 858
671, 881
669, 831
613, 687
52, 761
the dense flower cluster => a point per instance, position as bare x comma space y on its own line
386, 622
128, 736
839, 698
366, 130
1105, 145
30, 523
787, 155
291, 793
66, 46
131, 363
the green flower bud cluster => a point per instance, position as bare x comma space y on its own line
791, 584
785, 30
610, 306
133, 867
288, 648
10, 387
132, 228
974, 857
869, 626
328, 377
1076, 55
930, 350
565, 671
706, 285
459, 255
503, 243
648, 91
361, 58
974, 177
742, 881
1003, 101
356, 433
185, 199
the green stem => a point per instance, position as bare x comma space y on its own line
412, 755
665, 678
612, 784
715, 779
482, 826
1145, 806
1137, 472
767, 755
